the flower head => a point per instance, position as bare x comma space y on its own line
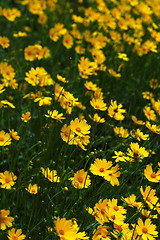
68, 229
150, 175
149, 196
4, 42
7, 179
33, 189
100, 166
16, 235
14, 134
26, 116
55, 115
98, 104
97, 118
146, 230
80, 127
5, 220
81, 179
5, 138
51, 175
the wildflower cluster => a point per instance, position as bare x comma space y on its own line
79, 119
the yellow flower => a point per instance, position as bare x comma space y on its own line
136, 151
121, 132
68, 41
115, 216
150, 114
80, 179
123, 56
131, 201
154, 83
86, 67
65, 229
97, 118
67, 134
7, 70
149, 196
85, 139
62, 79
119, 156
38, 76
154, 128
156, 105
98, 104
4, 42
5, 138
68, 229
14, 134
100, 211
115, 111
113, 73
2, 88
100, 166
29, 53
15, 235
57, 31
20, 34
70, 99
150, 175
5, 220
101, 233
26, 116
51, 175
146, 230
42, 19
112, 175
5, 103
7, 179
55, 115
147, 95
139, 135
11, 13
133, 2
80, 127
33, 189
112, 203
98, 55
90, 86
36, 7
43, 100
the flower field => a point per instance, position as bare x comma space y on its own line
80, 119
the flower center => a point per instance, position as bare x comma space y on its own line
61, 232
102, 211
96, 106
29, 53
15, 237
78, 129
148, 199
80, 179
116, 208
113, 217
66, 133
153, 175
101, 169
1, 139
49, 176
7, 180
3, 218
33, 190
144, 230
